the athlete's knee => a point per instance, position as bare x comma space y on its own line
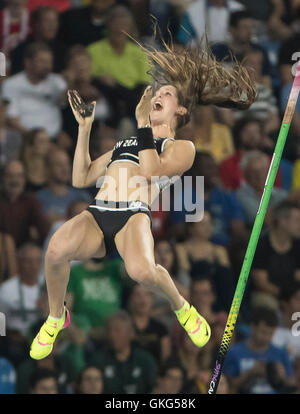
55, 254
143, 272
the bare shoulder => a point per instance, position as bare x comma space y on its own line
182, 146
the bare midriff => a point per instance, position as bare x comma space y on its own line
126, 184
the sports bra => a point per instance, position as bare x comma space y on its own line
127, 150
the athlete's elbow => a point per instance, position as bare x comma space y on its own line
78, 182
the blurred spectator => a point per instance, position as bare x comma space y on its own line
14, 25
19, 294
200, 17
276, 262
248, 136
200, 257
297, 374
223, 387
248, 363
7, 377
241, 28
36, 94
271, 18
165, 254
58, 194
208, 134
79, 77
8, 258
264, 107
44, 28
120, 65
89, 381
284, 335
255, 165
21, 214
288, 51
85, 25
35, 150
95, 292
226, 210
43, 381
150, 334
192, 359
126, 368
171, 378
203, 297
10, 139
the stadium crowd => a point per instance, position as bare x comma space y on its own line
122, 339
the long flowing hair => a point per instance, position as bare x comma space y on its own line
199, 78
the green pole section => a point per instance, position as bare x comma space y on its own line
243, 278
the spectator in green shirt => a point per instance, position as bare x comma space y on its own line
95, 292
127, 369
119, 65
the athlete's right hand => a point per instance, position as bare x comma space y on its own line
84, 113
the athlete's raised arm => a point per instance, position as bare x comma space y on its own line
85, 172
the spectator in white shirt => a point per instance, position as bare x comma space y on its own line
19, 294
36, 94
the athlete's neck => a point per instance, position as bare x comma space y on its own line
162, 131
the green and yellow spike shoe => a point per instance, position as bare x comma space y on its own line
194, 324
42, 344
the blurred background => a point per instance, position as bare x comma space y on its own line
122, 339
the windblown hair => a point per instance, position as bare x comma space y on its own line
199, 78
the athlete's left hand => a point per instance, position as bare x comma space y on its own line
143, 109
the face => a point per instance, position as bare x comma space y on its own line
203, 228
119, 334
141, 300
91, 382
243, 32
209, 170
100, 6
45, 386
59, 167
40, 65
256, 172
120, 24
41, 143
81, 64
47, 26
164, 254
294, 302
202, 294
173, 381
14, 178
165, 106
292, 223
29, 263
251, 136
262, 334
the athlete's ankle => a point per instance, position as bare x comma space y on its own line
184, 308
55, 318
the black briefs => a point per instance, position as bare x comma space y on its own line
111, 217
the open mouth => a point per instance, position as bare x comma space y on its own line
157, 106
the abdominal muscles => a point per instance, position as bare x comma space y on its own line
124, 182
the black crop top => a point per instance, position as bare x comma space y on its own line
128, 150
